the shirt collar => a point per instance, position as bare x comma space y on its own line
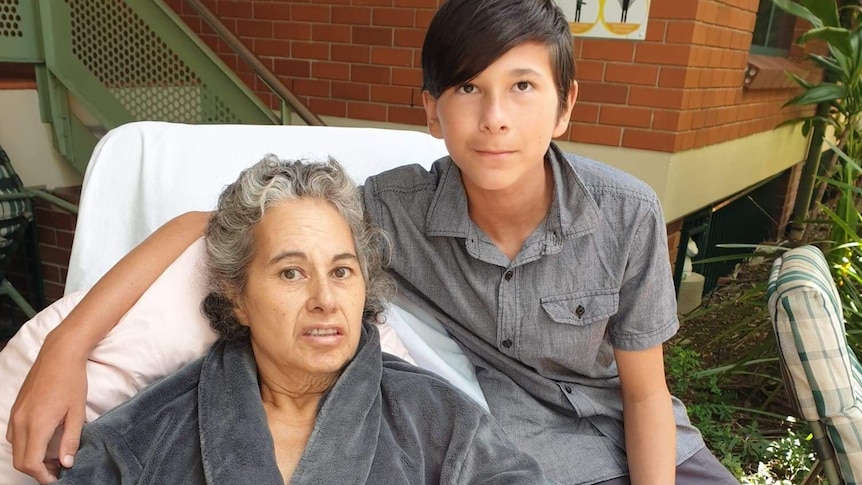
573, 212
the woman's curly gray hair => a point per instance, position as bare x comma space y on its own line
270, 182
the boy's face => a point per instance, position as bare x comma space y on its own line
498, 126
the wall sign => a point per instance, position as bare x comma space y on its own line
610, 19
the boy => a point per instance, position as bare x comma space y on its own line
552, 273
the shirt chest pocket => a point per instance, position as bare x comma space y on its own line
582, 308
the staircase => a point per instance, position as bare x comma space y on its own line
103, 63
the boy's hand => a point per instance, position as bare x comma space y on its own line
53, 395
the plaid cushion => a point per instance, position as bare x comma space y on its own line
807, 318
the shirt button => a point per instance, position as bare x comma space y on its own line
568, 389
507, 343
508, 275
580, 311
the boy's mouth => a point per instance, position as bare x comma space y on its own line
492, 153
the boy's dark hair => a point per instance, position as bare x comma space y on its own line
467, 36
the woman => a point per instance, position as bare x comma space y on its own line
296, 389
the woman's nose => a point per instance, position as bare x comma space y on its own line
322, 298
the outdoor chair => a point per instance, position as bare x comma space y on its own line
822, 374
16, 219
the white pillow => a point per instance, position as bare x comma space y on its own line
162, 332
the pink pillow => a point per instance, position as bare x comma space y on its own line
161, 333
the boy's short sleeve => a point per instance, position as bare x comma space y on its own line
646, 316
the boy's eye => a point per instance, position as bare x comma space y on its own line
466, 88
523, 85
342, 272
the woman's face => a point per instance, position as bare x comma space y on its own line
305, 294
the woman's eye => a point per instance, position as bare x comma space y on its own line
342, 272
522, 85
466, 88
290, 274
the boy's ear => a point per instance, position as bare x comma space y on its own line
430, 104
566, 115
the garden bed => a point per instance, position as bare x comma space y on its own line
741, 411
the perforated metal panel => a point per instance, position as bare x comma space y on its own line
19, 32
10, 19
145, 75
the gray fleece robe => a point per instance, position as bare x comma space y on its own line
384, 421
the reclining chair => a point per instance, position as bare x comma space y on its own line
822, 374
144, 173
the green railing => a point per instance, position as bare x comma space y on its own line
123, 60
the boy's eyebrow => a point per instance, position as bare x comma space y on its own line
524, 71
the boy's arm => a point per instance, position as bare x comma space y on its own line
55, 390
650, 427
646, 318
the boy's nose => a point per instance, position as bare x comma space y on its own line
493, 117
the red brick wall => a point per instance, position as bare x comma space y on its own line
357, 59
679, 89
56, 231
682, 87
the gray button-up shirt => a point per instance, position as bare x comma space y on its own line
541, 328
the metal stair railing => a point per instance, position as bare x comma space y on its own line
288, 99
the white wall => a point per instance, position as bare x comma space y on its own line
28, 142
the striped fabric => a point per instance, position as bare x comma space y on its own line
10, 184
806, 314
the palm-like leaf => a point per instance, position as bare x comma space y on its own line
823, 92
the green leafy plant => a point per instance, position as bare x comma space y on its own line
844, 248
729, 432
786, 461
836, 201
840, 92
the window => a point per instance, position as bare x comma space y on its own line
773, 30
